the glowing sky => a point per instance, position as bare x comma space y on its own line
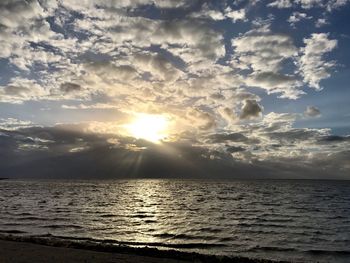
259, 85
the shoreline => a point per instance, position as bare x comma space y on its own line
40, 249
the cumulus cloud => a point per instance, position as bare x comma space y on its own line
329, 5
251, 109
312, 111
263, 50
225, 137
228, 114
68, 87
321, 22
236, 15
312, 64
275, 82
99, 106
14, 124
265, 54
297, 17
202, 119
184, 60
228, 13
281, 4
20, 90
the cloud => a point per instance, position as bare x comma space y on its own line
236, 15
182, 59
124, 4
99, 106
20, 90
228, 114
281, 4
68, 87
312, 65
310, 3
312, 111
275, 82
335, 138
157, 66
74, 151
263, 50
207, 13
297, 17
251, 109
329, 5
201, 119
265, 54
233, 149
14, 124
224, 137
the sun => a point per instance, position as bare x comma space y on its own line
149, 127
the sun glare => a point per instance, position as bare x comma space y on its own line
149, 127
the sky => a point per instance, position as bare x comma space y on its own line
175, 88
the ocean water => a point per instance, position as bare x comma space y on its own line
278, 219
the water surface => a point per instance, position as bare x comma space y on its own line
286, 219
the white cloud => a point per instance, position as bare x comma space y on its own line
20, 90
312, 64
297, 17
321, 22
14, 124
99, 106
281, 4
228, 13
236, 15
329, 5
263, 50
274, 82
265, 54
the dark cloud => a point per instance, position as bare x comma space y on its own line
335, 138
96, 157
233, 137
233, 149
294, 135
66, 151
251, 109
70, 87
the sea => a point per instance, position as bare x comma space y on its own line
292, 220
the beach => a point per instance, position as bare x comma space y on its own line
11, 252
20, 249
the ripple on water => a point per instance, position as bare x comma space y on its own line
272, 219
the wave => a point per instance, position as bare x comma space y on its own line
63, 226
290, 249
328, 252
104, 246
13, 231
132, 243
183, 236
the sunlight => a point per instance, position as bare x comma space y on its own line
149, 127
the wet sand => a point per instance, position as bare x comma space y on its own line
17, 249
22, 252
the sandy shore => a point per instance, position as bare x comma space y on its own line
22, 252
19, 249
